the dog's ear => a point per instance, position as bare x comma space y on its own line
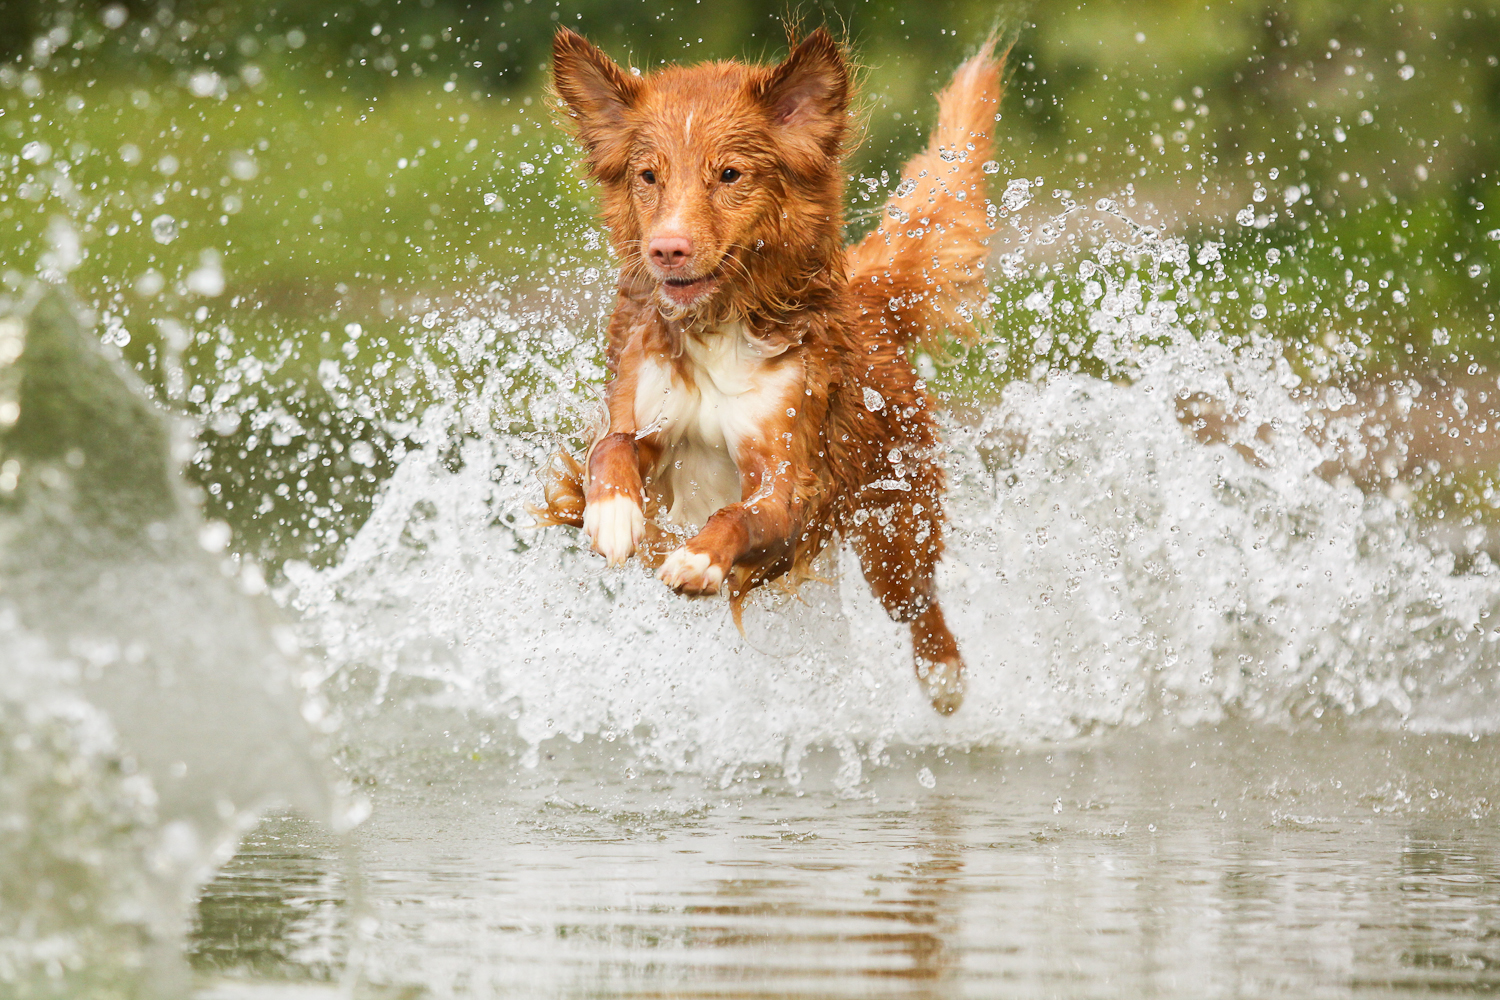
598, 95
808, 99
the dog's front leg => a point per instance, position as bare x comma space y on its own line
613, 517
767, 521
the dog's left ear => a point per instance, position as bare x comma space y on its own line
808, 100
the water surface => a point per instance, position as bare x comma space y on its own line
1222, 862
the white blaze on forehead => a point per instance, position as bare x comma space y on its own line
687, 128
671, 226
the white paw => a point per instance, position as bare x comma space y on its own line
614, 527
691, 573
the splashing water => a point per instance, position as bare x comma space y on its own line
1105, 568
1112, 566
148, 709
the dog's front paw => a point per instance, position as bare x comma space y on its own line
690, 572
614, 527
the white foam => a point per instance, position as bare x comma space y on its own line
1111, 572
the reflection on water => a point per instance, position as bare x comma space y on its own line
277, 909
1232, 862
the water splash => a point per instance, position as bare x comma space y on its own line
148, 708
1106, 568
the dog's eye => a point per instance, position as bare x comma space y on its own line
729, 176
648, 176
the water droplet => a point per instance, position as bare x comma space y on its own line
874, 401
204, 83
208, 278
1017, 194
991, 167
1245, 216
926, 779
213, 536
164, 229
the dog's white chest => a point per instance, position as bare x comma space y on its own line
701, 421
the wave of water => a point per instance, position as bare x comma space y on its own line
149, 708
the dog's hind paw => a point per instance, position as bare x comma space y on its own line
691, 573
943, 683
614, 527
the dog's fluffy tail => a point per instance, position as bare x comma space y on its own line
922, 271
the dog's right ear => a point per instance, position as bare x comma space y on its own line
599, 96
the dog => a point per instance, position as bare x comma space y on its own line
760, 401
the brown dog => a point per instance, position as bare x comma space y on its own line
760, 400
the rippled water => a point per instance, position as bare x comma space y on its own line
1219, 862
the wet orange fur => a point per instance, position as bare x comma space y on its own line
844, 441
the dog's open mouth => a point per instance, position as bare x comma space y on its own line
686, 291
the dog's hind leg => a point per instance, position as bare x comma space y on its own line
562, 492
898, 547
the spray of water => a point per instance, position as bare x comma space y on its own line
149, 709
1107, 567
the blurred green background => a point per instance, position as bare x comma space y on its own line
271, 207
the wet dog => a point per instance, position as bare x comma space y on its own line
760, 400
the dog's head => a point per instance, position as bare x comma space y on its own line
722, 183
